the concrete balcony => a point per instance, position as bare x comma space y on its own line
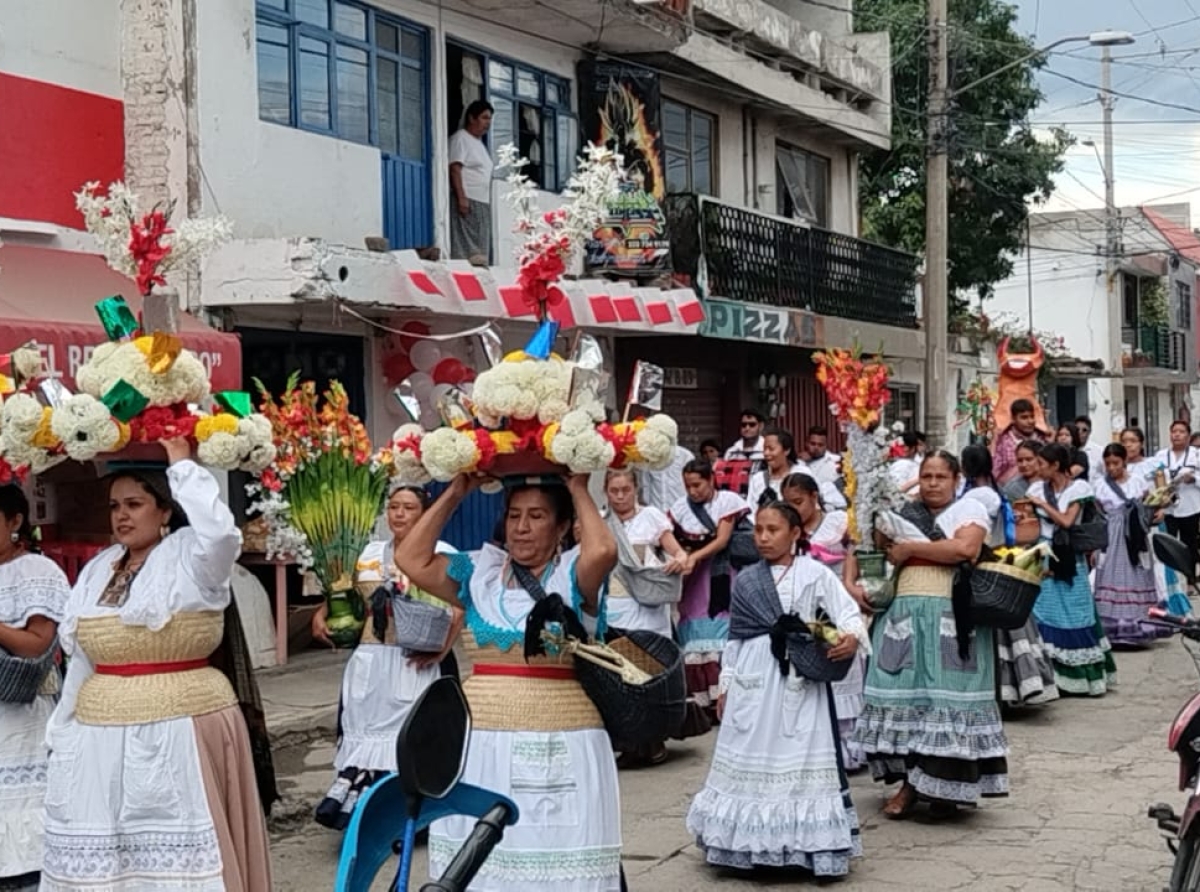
837, 62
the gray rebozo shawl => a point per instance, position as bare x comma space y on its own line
755, 609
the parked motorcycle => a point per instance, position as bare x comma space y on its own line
1182, 832
431, 752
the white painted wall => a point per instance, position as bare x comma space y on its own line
66, 42
279, 181
272, 180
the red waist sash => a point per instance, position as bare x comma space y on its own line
129, 670
558, 673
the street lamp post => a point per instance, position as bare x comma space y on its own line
937, 298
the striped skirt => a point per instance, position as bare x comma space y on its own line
931, 716
1073, 636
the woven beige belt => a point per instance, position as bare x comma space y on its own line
514, 703
138, 699
925, 581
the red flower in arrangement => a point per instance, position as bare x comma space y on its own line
621, 440
486, 446
270, 480
10, 474
157, 422
147, 249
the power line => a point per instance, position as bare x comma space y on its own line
1175, 105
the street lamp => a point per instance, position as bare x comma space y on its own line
1099, 38
937, 298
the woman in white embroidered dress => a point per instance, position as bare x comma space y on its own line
704, 609
828, 538
381, 682
535, 735
648, 531
33, 593
151, 783
776, 794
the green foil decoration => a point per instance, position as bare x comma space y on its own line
116, 317
124, 401
235, 402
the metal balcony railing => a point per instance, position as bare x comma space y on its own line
758, 258
1156, 347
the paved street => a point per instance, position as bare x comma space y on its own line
1082, 775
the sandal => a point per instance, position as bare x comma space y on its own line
902, 804
941, 808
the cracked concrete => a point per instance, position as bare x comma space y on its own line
1082, 774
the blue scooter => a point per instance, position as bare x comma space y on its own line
431, 752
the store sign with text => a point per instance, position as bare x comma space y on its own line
738, 321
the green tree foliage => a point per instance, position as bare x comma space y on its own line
997, 164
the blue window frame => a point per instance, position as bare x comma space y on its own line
533, 111
343, 68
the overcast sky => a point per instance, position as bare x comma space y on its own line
1157, 147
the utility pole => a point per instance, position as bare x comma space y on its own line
1112, 234
937, 298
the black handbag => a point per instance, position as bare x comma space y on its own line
1090, 530
741, 549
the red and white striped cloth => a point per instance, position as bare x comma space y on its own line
491, 292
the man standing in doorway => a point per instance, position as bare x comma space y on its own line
1024, 427
1093, 450
749, 446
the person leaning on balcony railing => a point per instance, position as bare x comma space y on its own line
471, 184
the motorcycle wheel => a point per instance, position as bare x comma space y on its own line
1185, 876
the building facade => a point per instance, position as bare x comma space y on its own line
321, 129
1136, 337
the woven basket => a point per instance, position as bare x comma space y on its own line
1002, 596
809, 657
21, 677
638, 715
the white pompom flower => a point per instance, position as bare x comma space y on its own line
447, 453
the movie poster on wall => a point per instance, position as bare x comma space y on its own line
621, 108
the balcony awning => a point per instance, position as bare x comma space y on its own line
48, 296
286, 272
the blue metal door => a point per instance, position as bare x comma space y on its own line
407, 202
475, 521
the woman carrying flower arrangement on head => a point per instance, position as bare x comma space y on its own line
151, 782
704, 520
536, 736
383, 679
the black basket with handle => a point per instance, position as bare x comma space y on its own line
810, 658
638, 715
1002, 596
21, 678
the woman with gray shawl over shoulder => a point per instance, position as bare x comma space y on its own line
777, 793
931, 719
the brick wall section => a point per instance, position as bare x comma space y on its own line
148, 42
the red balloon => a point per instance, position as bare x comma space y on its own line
396, 367
449, 371
414, 327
